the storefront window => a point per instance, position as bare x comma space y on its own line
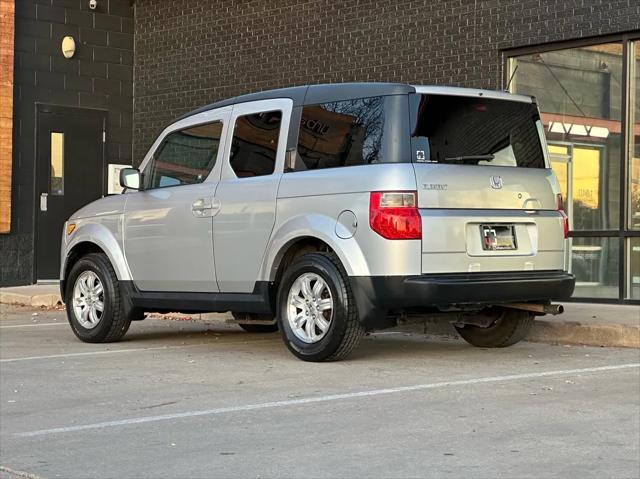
633, 268
580, 98
581, 93
634, 150
595, 263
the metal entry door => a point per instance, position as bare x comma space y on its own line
69, 174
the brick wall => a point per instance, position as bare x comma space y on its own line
190, 52
100, 75
7, 8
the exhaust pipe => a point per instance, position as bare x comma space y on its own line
537, 307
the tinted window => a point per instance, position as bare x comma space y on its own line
477, 131
343, 133
185, 157
255, 144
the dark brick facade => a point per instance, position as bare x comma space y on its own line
100, 75
190, 52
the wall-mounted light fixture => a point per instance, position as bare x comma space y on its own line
68, 47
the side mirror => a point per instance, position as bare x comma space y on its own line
130, 178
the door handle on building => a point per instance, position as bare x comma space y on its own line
43, 201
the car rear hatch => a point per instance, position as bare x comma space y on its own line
487, 197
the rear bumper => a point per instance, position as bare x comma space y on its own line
376, 295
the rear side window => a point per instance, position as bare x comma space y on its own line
475, 131
255, 144
342, 133
185, 157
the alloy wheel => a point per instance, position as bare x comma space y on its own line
88, 299
309, 307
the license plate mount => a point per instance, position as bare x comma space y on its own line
498, 237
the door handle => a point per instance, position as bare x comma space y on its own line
531, 203
43, 201
205, 207
200, 207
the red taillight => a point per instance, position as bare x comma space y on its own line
394, 215
565, 218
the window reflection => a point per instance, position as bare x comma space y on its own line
595, 263
633, 268
579, 92
342, 133
57, 164
634, 153
185, 157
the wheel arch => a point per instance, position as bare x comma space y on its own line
93, 238
310, 233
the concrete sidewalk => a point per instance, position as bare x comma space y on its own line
36, 295
588, 324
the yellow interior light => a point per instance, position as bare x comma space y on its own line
70, 228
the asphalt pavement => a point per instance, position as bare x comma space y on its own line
205, 399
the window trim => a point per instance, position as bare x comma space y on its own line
285, 105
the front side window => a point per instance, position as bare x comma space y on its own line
185, 157
342, 133
476, 131
255, 144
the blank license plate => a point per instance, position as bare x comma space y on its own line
498, 237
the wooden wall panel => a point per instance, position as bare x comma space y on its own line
7, 9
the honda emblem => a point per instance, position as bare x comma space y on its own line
495, 182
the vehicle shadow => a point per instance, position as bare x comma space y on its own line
378, 345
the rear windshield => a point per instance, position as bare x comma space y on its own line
476, 131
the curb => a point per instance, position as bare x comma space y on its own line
38, 300
552, 332
574, 332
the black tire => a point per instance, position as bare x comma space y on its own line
255, 328
344, 332
510, 327
113, 323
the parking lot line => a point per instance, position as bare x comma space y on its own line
16, 473
327, 398
91, 353
33, 325
118, 351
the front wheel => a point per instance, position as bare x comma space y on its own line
94, 305
316, 311
508, 328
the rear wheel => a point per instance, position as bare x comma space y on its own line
255, 328
508, 328
94, 305
316, 311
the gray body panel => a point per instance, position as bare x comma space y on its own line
168, 240
310, 202
243, 225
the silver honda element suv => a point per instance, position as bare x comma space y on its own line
326, 211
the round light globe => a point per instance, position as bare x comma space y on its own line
68, 47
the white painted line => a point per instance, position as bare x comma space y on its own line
317, 399
130, 350
33, 325
14, 472
88, 353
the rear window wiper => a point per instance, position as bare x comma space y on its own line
488, 157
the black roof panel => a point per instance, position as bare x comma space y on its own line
313, 94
